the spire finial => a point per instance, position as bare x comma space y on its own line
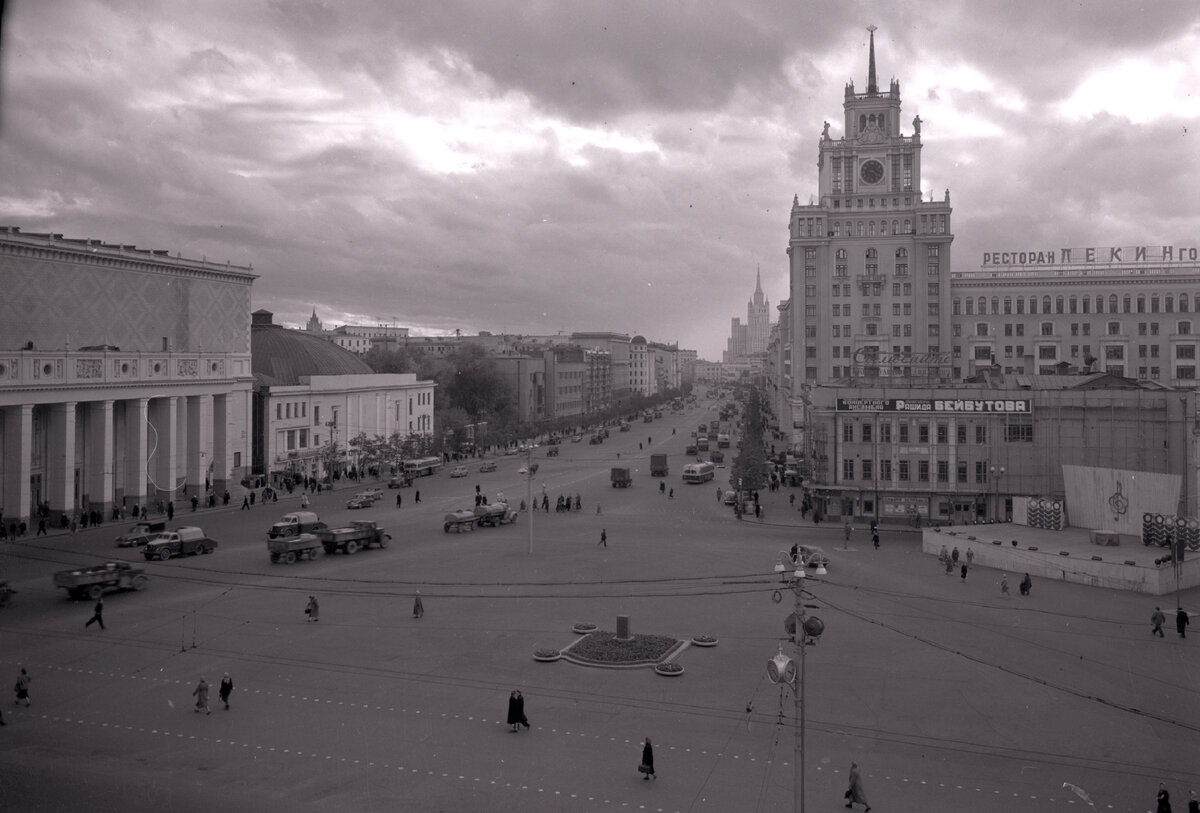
872, 85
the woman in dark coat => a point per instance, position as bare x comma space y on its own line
647, 766
1164, 799
522, 720
855, 792
513, 719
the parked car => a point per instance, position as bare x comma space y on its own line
140, 534
359, 501
459, 471
490, 465
374, 492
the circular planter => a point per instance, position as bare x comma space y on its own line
546, 655
704, 640
583, 629
669, 669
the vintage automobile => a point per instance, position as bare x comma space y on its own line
487, 466
359, 501
400, 481
459, 471
552, 451
374, 492
576, 438
140, 534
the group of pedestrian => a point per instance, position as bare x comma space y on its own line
1158, 618
1163, 799
516, 711
201, 694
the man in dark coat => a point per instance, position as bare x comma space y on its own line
647, 766
512, 719
522, 720
1181, 622
97, 614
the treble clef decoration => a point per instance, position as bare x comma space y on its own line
1118, 503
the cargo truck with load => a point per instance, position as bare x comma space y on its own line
93, 582
658, 465
621, 477
494, 513
460, 521
288, 549
348, 540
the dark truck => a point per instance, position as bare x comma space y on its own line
296, 523
184, 541
658, 465
93, 582
359, 534
621, 477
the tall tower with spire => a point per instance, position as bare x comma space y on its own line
314, 324
869, 259
758, 320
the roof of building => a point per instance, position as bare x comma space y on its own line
279, 356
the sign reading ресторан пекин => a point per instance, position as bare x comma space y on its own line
1101, 255
1007, 406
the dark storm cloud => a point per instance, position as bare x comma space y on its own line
545, 166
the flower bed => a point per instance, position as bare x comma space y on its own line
546, 655
583, 629
605, 648
669, 669
704, 640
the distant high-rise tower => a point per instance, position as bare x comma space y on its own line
314, 324
750, 339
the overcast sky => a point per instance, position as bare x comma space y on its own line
534, 167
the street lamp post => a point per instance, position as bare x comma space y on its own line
804, 631
997, 473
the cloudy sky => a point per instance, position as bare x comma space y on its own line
534, 167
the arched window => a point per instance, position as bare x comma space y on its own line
1045, 304
841, 254
1087, 305
995, 304
1059, 305
895, 227
907, 226
1127, 302
901, 253
870, 228
1169, 303
957, 306
1008, 304
1073, 305
1183, 303
883, 227
1020, 304
1113, 305
872, 254
860, 228
837, 229
1033, 304
1154, 303
982, 303
1099, 304
862, 123
970, 306
1141, 303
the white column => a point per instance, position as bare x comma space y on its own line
199, 443
162, 419
136, 451
99, 417
60, 458
15, 495
220, 444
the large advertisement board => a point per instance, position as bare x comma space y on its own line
956, 406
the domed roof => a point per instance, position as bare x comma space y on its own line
638, 340
280, 356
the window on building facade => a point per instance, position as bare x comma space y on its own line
923, 432
923, 471
1184, 328
903, 432
1186, 372
1127, 304
1047, 352
961, 471
847, 469
943, 471
943, 432
1020, 304
981, 328
1114, 352
934, 330
1185, 351
1047, 328
1183, 303
885, 470
981, 472
902, 470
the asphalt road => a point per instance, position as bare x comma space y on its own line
949, 696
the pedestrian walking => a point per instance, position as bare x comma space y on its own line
97, 614
1157, 618
225, 690
1026, 585
1164, 799
399, 499
1181, 622
662, 488
964, 572
417, 497
854, 792
970, 556
512, 719
313, 610
671, 494
791, 498
1004, 585
246, 503
795, 551
304, 500
718, 493
603, 537
647, 765
22, 688
954, 555
522, 720
875, 538
41, 531
201, 695
1193, 804
846, 529
170, 510
418, 607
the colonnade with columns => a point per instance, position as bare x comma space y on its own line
79, 456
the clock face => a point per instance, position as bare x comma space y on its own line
871, 172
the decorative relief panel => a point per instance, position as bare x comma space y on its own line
8, 368
186, 367
89, 368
